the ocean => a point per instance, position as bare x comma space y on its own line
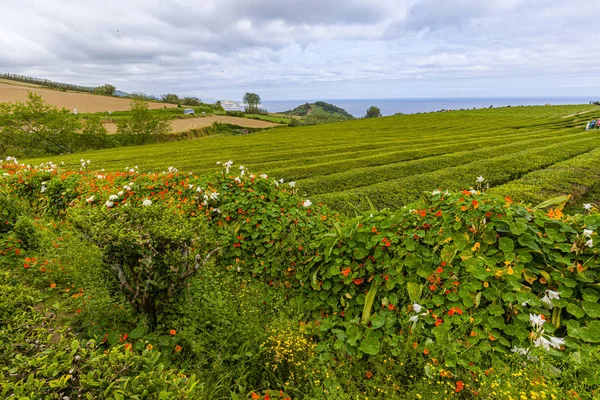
358, 107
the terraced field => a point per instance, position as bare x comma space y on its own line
530, 153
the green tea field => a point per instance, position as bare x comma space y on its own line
530, 153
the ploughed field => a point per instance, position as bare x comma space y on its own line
529, 153
11, 91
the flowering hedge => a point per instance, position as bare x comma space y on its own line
475, 272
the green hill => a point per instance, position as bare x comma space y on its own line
529, 153
320, 110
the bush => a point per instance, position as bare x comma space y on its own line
10, 210
151, 248
27, 231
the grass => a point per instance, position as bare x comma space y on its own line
530, 153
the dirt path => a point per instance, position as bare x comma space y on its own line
579, 113
182, 125
82, 101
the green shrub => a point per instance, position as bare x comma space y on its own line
10, 210
151, 248
28, 232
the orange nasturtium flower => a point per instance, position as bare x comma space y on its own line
459, 386
127, 346
346, 271
52, 285
255, 396
172, 332
369, 374
178, 349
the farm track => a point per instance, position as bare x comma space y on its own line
528, 152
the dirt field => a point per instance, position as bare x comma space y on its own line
10, 92
182, 125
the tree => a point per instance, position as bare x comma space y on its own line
252, 100
170, 98
191, 101
373, 112
37, 128
106, 89
142, 121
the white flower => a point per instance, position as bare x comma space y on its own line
307, 203
237, 179
113, 197
100, 176
216, 210
525, 303
473, 191
43, 189
109, 204
417, 307
480, 179
90, 199
519, 350
227, 166
587, 206
199, 189
587, 233
214, 196
547, 343
190, 186
413, 319
589, 243
241, 167
281, 180
435, 192
147, 203
536, 321
239, 269
264, 176
292, 184
553, 294
218, 162
120, 193
548, 301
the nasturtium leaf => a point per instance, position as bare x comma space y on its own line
575, 310
507, 245
370, 346
591, 309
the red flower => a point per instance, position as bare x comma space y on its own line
459, 386
432, 287
374, 229
255, 396
358, 281
438, 214
369, 374
475, 203
346, 271
127, 346
444, 263
172, 332
439, 270
438, 322
423, 213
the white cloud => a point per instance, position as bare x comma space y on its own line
288, 49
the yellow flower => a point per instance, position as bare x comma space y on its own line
499, 273
476, 247
485, 284
149, 347
510, 271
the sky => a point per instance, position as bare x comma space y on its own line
280, 49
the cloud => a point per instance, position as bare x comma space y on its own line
288, 49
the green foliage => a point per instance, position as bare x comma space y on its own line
27, 231
152, 249
142, 122
10, 210
252, 101
107, 90
373, 112
52, 84
318, 113
170, 98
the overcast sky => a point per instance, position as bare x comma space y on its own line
304, 49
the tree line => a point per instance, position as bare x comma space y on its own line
105, 89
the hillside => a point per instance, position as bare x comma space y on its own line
531, 153
320, 109
11, 91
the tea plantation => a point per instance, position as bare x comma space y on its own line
392, 160
362, 260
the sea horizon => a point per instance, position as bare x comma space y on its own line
391, 106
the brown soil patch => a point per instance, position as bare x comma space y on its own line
82, 101
184, 125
